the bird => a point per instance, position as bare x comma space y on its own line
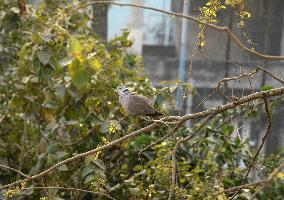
135, 104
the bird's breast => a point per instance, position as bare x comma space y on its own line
124, 100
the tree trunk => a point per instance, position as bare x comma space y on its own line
100, 20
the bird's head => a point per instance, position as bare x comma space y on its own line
122, 89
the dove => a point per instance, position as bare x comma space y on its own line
135, 104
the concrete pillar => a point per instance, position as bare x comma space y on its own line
135, 24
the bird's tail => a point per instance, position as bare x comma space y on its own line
156, 114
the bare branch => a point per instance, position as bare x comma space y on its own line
248, 75
240, 101
270, 74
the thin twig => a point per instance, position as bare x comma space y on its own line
182, 140
264, 183
71, 189
3, 117
268, 180
162, 122
23, 147
15, 170
161, 139
269, 117
248, 75
207, 97
239, 187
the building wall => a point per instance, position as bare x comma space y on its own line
220, 58
209, 65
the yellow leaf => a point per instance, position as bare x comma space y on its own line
72, 67
221, 197
75, 48
48, 117
95, 64
90, 158
279, 175
78, 74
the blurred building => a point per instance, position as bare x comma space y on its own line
157, 37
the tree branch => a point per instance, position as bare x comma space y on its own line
218, 28
248, 75
213, 111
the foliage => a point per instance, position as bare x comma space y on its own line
57, 100
210, 12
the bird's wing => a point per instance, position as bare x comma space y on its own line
141, 105
146, 99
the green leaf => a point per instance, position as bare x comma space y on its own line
133, 191
137, 168
53, 192
51, 159
78, 74
65, 61
44, 56
15, 10
60, 91
124, 166
266, 87
228, 130
63, 168
80, 79
89, 159
89, 179
60, 154
86, 171
26, 79
58, 198
99, 163
46, 37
